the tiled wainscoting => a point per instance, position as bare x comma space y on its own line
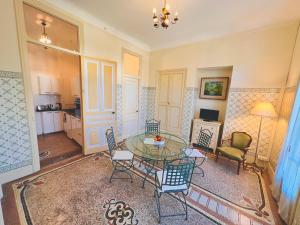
147, 105
238, 117
282, 125
15, 144
188, 111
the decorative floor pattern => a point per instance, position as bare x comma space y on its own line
223, 211
41, 201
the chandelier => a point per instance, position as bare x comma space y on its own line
44, 37
165, 17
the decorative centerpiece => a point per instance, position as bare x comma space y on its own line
158, 140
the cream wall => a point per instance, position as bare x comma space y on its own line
260, 58
100, 44
9, 51
286, 106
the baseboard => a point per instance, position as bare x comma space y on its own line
15, 174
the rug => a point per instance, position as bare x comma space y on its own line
80, 193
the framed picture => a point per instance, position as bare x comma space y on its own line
214, 88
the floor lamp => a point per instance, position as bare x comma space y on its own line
262, 109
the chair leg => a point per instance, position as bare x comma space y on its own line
217, 155
238, 169
185, 206
157, 198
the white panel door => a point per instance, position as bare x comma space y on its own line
170, 98
58, 121
48, 122
108, 87
130, 106
98, 97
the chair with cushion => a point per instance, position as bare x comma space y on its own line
152, 126
122, 160
203, 142
175, 178
239, 144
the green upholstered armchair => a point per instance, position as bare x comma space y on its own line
239, 144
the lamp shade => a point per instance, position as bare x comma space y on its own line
264, 109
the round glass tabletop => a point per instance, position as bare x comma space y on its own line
169, 148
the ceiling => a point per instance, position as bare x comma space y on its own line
198, 19
61, 33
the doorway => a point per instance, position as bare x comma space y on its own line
131, 80
55, 72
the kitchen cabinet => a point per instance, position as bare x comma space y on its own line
52, 121
38, 123
56, 85
76, 129
45, 85
73, 128
48, 122
49, 85
68, 125
58, 121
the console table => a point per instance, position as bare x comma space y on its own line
213, 126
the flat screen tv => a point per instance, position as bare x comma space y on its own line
209, 114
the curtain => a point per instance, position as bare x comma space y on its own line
287, 177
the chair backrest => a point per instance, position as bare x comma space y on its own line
178, 172
204, 138
240, 140
111, 142
152, 126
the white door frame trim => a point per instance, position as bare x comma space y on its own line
139, 78
23, 39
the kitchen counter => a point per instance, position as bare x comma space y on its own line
73, 112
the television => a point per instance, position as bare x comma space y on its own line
209, 115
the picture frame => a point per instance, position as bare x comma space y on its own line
214, 88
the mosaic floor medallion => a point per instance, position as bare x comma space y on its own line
119, 213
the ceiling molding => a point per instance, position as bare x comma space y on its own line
201, 38
75, 11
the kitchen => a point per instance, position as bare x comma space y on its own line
56, 84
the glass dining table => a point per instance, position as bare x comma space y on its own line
144, 146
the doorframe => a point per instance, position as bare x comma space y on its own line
23, 39
139, 78
171, 71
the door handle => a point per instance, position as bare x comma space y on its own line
113, 112
137, 111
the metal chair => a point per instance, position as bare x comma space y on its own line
122, 160
152, 126
175, 177
203, 142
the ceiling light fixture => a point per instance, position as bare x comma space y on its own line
164, 18
44, 37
